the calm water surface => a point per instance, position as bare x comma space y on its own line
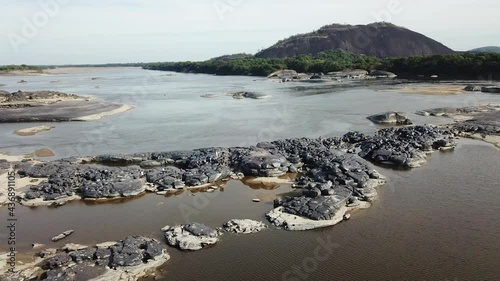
171, 115
439, 222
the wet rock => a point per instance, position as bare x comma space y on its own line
102, 256
391, 117
354, 137
56, 262
107, 189
472, 88
382, 74
493, 89
133, 250
58, 274
264, 164
47, 252
128, 259
82, 255
288, 221
193, 236
118, 160
404, 147
244, 226
150, 164
248, 95
319, 208
442, 111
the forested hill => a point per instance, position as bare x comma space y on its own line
376, 39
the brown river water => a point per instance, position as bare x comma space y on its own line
439, 222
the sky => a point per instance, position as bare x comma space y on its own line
118, 31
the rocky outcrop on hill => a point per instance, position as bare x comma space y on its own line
376, 39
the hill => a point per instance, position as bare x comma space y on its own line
376, 39
488, 49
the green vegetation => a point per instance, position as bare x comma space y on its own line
22, 67
333, 60
454, 66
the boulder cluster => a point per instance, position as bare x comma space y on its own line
128, 259
330, 172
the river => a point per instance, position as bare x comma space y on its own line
438, 222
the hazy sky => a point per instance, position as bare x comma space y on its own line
101, 31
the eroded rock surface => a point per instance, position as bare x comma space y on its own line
244, 226
128, 259
330, 172
405, 147
192, 236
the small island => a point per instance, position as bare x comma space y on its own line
52, 106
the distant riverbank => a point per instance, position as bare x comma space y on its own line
485, 66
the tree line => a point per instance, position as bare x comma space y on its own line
22, 67
454, 66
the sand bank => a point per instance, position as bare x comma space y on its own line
33, 130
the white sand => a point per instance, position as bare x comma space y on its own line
263, 180
98, 116
20, 183
66, 70
495, 140
438, 90
33, 130
12, 158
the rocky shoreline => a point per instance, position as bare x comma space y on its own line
334, 176
129, 259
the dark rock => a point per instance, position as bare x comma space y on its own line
472, 88
320, 208
102, 256
382, 74
198, 229
192, 237
133, 250
403, 146
494, 89
391, 117
56, 262
59, 274
354, 137
83, 255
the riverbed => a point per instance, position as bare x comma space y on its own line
438, 222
